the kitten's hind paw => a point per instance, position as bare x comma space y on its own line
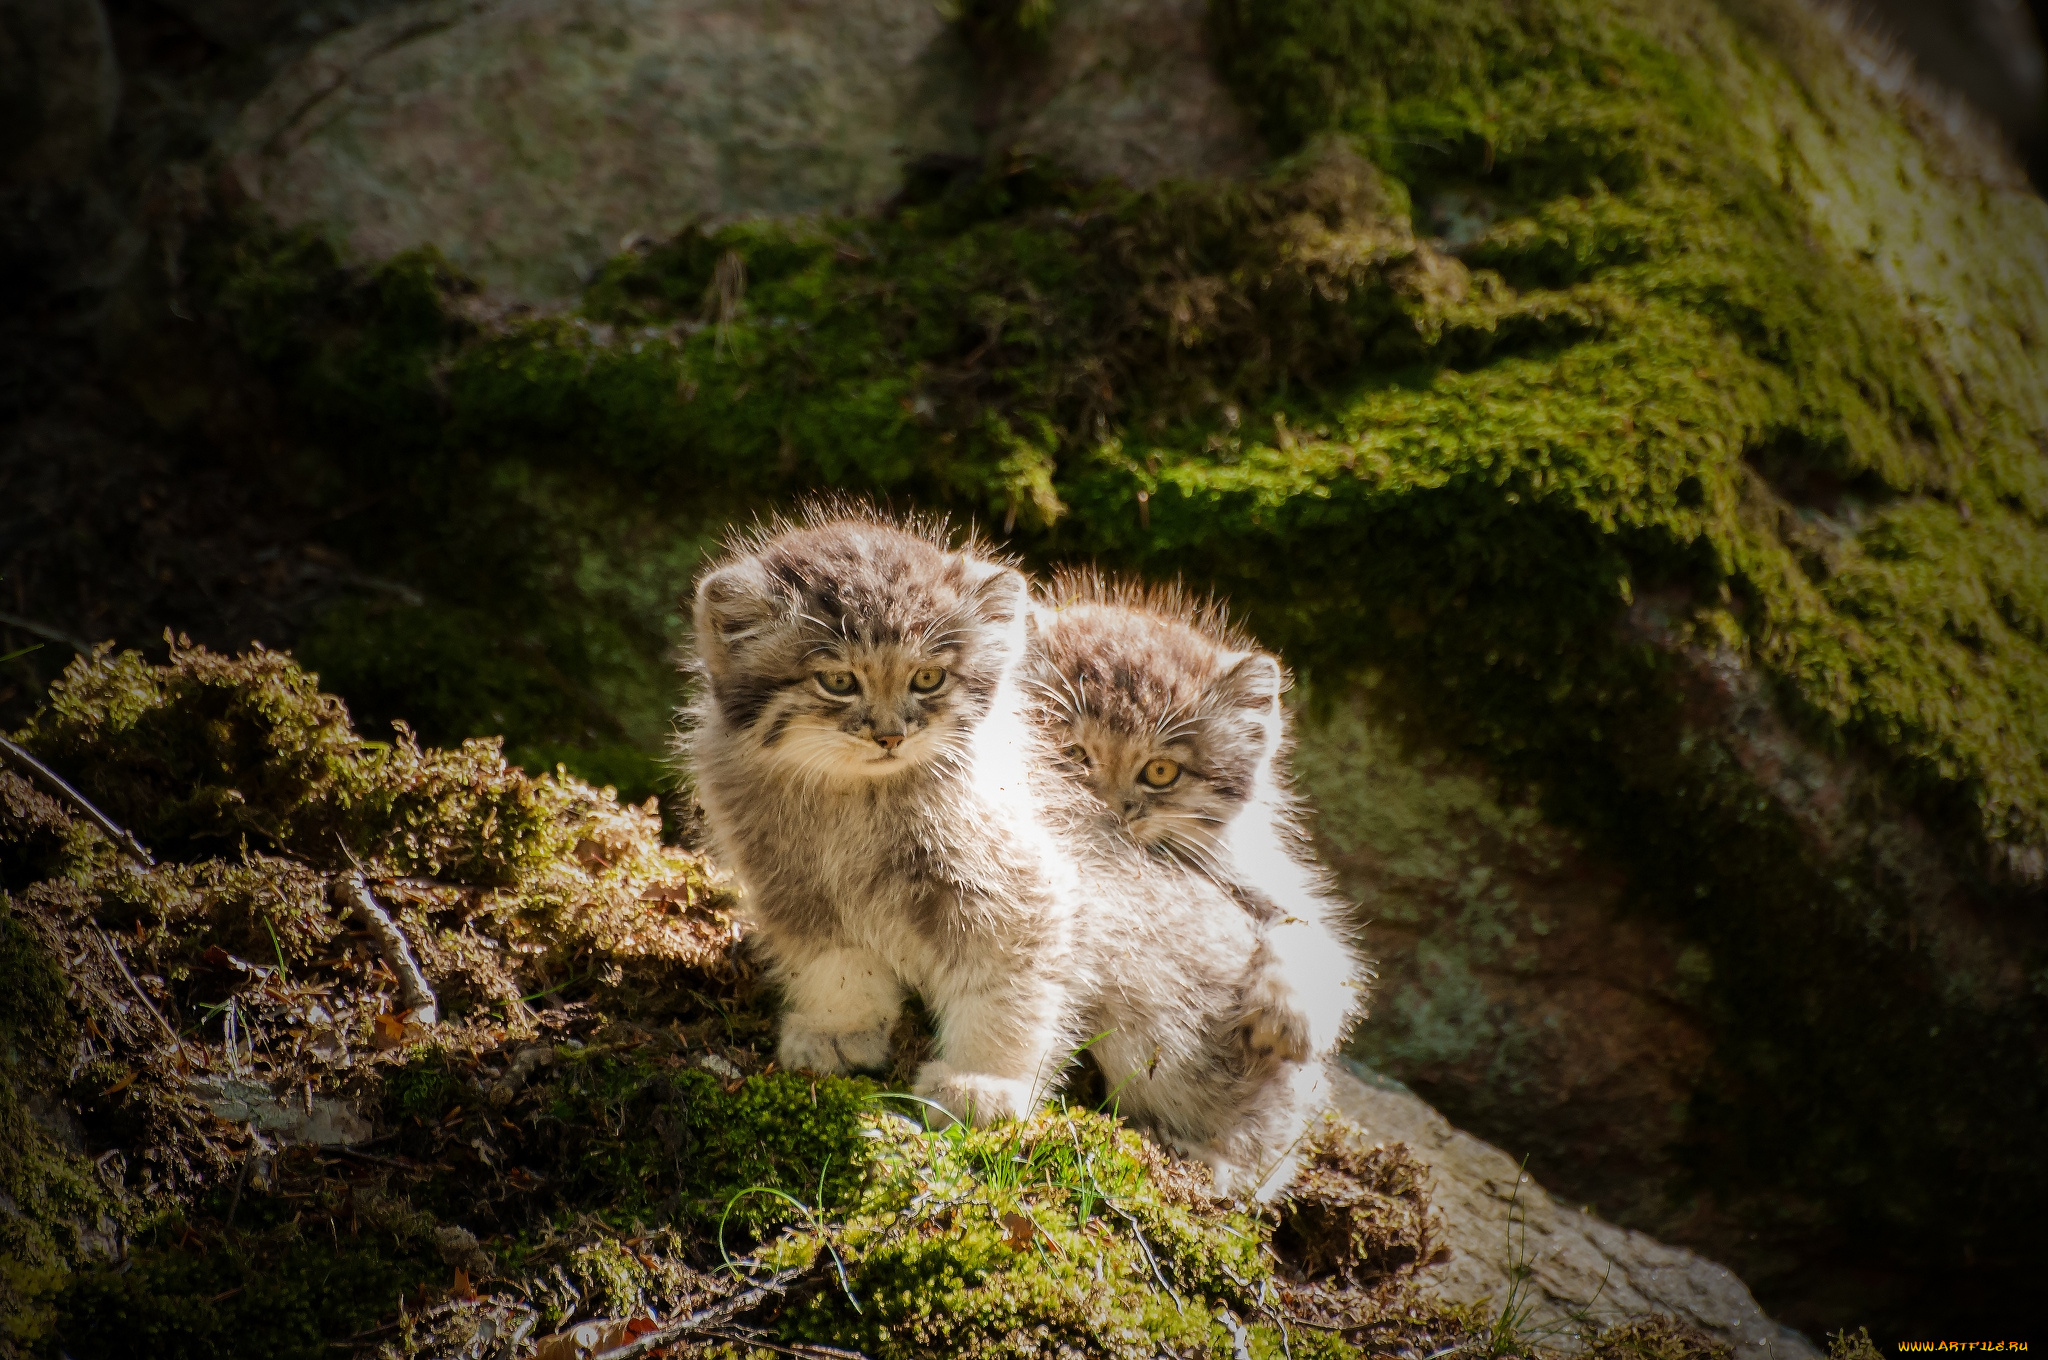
973, 1097
829, 1052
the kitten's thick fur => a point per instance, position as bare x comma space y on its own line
1128, 676
907, 833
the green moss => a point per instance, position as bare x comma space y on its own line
59, 1214
210, 751
1761, 396
682, 1146
280, 1293
425, 1088
1083, 1264
35, 1024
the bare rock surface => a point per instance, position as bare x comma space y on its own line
317, 1119
1516, 993
527, 138
1127, 91
1510, 1241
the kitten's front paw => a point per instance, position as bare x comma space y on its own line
1236, 1179
828, 1052
975, 1097
1272, 1023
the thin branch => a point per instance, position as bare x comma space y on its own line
803, 1350
114, 953
721, 1311
121, 838
1145, 1247
413, 990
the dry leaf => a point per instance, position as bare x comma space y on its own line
388, 1034
461, 1288
586, 1339
121, 1085
1022, 1231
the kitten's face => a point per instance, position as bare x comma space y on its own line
1166, 727
853, 651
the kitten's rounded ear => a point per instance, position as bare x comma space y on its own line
1255, 681
999, 593
733, 604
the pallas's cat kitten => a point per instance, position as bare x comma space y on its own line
863, 750
1172, 717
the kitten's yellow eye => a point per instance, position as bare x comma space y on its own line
928, 679
1159, 774
1077, 754
837, 682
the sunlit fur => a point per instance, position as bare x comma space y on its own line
1129, 674
963, 865
1125, 675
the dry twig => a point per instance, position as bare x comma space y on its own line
120, 836
413, 990
114, 953
722, 1311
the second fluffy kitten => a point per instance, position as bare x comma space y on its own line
1172, 717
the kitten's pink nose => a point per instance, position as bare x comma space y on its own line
889, 743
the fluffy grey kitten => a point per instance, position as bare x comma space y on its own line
1172, 717
863, 749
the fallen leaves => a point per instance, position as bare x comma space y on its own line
391, 1031
1020, 1231
591, 1338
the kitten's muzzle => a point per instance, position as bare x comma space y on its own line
889, 741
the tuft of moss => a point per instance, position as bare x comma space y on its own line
1857, 1345
280, 1292
1358, 1214
683, 1146
1654, 1339
1039, 1238
212, 751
